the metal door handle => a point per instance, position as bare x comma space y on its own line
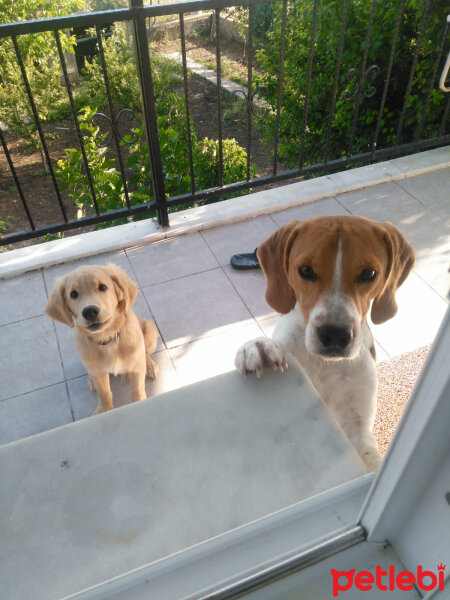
442, 85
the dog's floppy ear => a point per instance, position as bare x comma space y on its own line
126, 289
400, 263
57, 307
273, 256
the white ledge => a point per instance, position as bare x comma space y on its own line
16, 262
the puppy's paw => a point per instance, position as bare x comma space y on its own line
259, 355
152, 368
91, 383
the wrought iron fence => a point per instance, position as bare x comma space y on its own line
316, 150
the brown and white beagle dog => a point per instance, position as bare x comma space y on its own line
322, 275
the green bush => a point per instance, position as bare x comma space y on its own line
207, 163
263, 15
121, 69
173, 136
298, 31
41, 61
3, 225
122, 73
106, 179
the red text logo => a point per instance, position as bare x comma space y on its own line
388, 580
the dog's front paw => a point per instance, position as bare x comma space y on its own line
371, 458
99, 410
152, 368
258, 355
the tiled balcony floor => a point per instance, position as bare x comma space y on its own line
203, 308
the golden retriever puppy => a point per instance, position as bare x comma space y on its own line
109, 337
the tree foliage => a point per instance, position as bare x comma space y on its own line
122, 73
174, 145
365, 103
41, 62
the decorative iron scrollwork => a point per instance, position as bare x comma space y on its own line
251, 104
364, 82
105, 139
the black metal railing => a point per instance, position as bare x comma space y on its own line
357, 89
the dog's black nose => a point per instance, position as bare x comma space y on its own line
334, 337
90, 313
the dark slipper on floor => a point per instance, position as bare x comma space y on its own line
245, 261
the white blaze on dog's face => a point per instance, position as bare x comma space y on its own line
91, 297
334, 277
334, 267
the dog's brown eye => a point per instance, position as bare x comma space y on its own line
307, 273
102, 287
367, 275
74, 294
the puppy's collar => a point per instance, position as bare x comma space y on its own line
115, 338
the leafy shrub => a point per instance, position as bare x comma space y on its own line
107, 180
173, 138
122, 73
121, 69
3, 225
262, 18
41, 61
298, 31
263, 15
208, 165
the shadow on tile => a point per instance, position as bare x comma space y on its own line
84, 401
35, 412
